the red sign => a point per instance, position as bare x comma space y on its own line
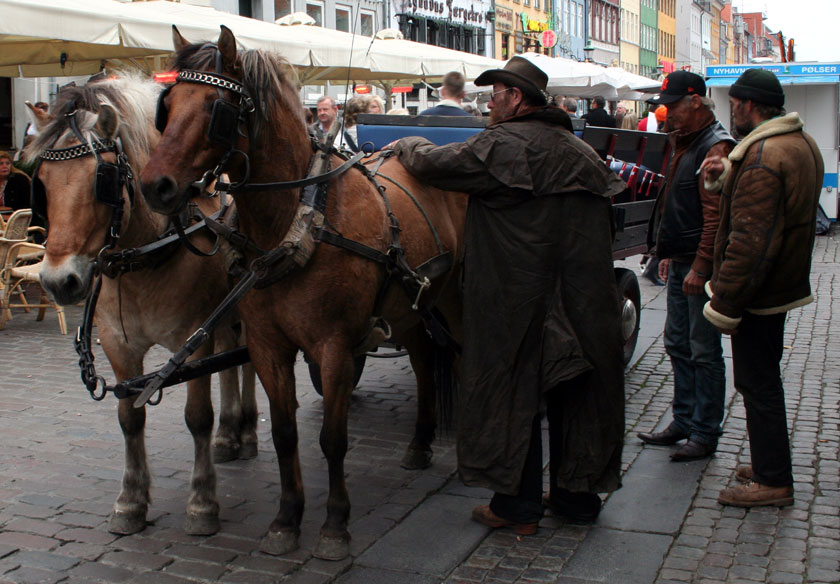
362, 89
402, 89
549, 38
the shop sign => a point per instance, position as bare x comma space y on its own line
504, 19
549, 39
531, 25
460, 11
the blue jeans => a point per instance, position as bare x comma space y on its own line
693, 344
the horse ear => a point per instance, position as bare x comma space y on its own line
227, 46
177, 40
41, 118
108, 122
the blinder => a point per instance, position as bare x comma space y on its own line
225, 117
108, 183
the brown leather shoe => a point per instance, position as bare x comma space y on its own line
692, 450
485, 516
754, 494
667, 437
744, 473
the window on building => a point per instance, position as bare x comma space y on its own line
342, 18
366, 20
316, 11
282, 8
536, 4
506, 47
526, 2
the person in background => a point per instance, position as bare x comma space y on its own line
472, 109
682, 233
540, 316
327, 113
355, 105
597, 115
620, 112
451, 93
375, 105
629, 121
570, 106
770, 185
14, 185
398, 111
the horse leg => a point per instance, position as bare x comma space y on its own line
202, 507
129, 515
337, 382
226, 443
248, 426
278, 378
418, 454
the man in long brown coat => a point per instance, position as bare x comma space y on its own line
541, 314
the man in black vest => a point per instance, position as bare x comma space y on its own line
684, 224
598, 115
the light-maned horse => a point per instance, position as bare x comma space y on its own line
326, 307
162, 305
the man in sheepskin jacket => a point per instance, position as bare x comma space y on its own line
771, 184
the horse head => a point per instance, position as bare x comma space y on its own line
85, 155
214, 117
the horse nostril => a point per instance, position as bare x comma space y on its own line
166, 189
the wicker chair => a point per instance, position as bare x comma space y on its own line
19, 266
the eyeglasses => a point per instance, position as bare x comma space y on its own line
493, 94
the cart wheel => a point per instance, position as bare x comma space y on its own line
358, 369
630, 306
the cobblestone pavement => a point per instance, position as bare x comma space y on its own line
61, 465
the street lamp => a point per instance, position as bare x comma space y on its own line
587, 51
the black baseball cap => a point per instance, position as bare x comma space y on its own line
677, 85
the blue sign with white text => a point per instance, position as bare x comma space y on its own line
832, 69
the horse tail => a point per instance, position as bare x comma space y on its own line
446, 350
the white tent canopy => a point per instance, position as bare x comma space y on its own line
35, 33
571, 78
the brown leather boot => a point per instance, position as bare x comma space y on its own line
754, 494
485, 516
744, 473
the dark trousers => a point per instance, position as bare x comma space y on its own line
526, 506
756, 352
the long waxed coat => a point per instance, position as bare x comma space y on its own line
540, 298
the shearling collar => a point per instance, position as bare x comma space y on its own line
772, 127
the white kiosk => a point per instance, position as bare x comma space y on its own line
812, 90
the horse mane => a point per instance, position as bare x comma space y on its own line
135, 99
272, 83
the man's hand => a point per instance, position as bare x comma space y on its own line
390, 145
663, 269
713, 165
693, 284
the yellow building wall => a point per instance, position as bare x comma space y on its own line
520, 33
667, 24
630, 26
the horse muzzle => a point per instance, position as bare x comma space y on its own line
70, 282
163, 195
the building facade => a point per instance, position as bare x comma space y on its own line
570, 17
604, 31
630, 19
667, 25
648, 38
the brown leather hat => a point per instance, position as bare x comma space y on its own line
519, 72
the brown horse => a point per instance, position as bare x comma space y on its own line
162, 304
325, 308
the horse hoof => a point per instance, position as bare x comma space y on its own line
332, 548
416, 459
201, 524
248, 451
126, 524
278, 543
224, 453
